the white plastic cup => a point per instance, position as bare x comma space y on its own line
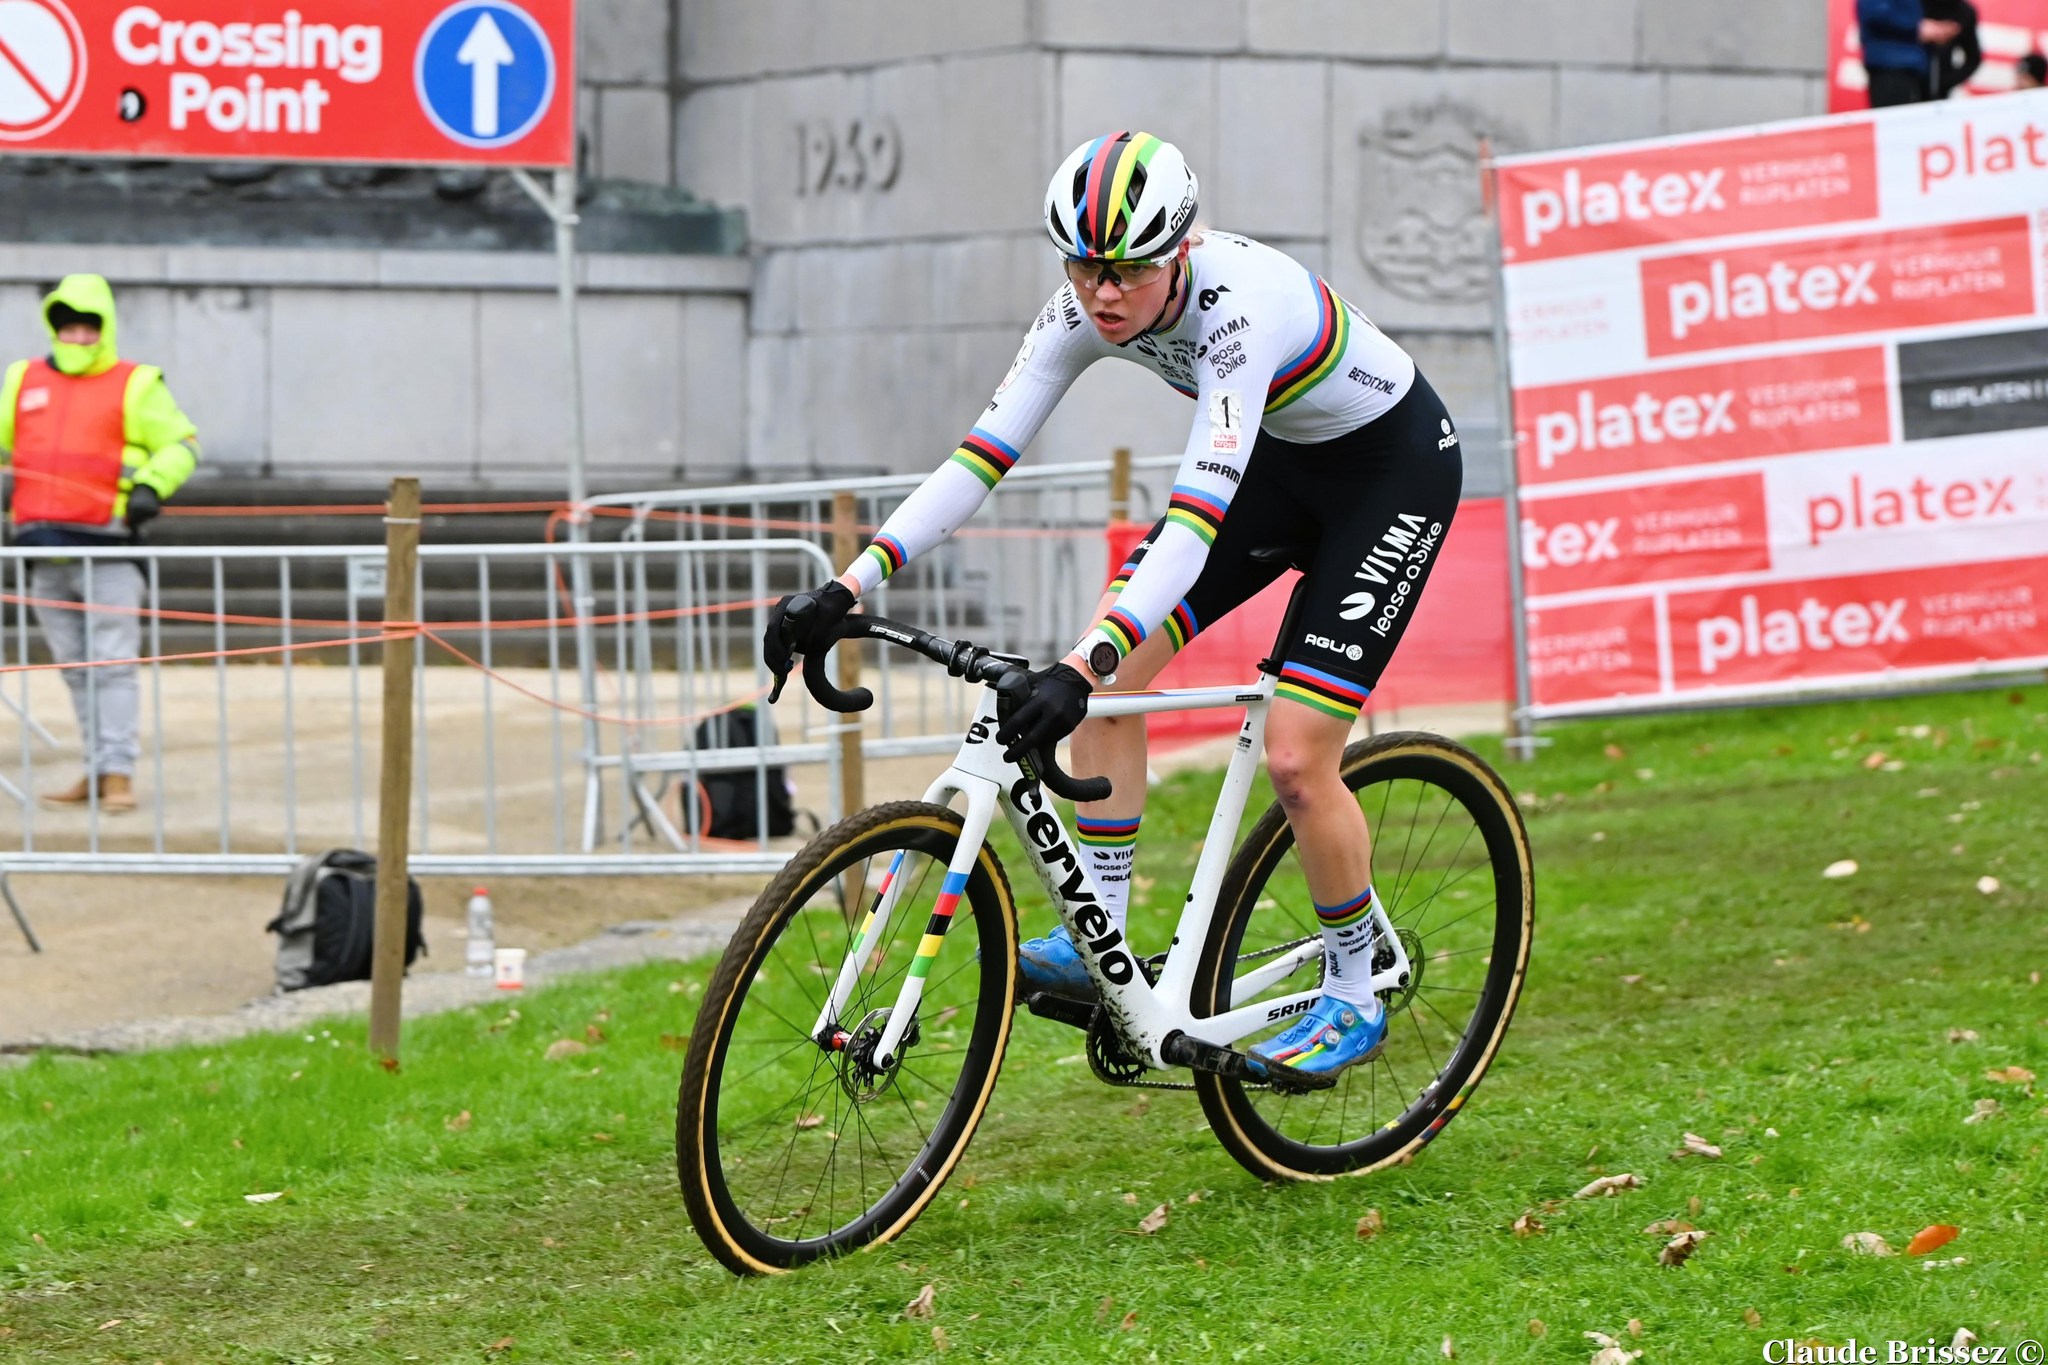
510, 965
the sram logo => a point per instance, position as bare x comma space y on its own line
1213, 467
1282, 1011
1813, 626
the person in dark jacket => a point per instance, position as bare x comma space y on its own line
1951, 64
2033, 72
1895, 36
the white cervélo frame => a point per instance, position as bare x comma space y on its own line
1147, 1016
815, 1024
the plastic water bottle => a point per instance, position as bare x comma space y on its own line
482, 935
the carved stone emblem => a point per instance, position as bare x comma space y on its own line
1421, 227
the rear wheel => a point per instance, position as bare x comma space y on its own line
789, 1150
1451, 866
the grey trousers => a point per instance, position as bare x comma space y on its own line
107, 700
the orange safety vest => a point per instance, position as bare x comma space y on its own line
69, 437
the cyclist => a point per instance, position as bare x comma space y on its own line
1315, 443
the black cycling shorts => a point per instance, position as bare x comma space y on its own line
1363, 517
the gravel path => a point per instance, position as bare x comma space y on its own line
686, 936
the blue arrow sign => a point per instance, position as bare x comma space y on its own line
485, 73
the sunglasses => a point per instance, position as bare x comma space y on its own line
1094, 272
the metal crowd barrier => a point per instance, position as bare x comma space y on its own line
1021, 576
258, 727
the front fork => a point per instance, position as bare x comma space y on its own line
829, 1030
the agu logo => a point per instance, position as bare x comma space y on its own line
1357, 607
42, 67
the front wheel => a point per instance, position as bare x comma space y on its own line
1451, 867
791, 1147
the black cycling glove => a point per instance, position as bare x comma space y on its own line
1058, 702
804, 623
144, 503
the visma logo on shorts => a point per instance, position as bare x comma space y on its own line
1813, 627
1397, 561
1357, 606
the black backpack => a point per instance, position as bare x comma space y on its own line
727, 807
328, 922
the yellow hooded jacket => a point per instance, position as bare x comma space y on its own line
161, 446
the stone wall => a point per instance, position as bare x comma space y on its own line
891, 156
350, 366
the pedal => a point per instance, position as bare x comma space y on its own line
1181, 1050
1047, 1005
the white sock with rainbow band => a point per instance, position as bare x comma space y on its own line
1108, 847
1347, 951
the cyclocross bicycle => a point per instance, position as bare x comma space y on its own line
850, 1037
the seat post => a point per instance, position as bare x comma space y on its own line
1289, 620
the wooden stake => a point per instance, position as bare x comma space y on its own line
1120, 484
394, 801
846, 547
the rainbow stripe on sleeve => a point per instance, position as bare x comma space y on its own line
1198, 510
888, 554
1314, 362
1326, 692
985, 456
1181, 626
1123, 630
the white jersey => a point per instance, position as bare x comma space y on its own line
1261, 343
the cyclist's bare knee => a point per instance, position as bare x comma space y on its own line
1304, 754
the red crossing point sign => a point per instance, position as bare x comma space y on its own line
425, 82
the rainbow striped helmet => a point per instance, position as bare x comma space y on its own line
1126, 196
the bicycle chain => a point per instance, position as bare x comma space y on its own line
1152, 967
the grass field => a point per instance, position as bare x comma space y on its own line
1693, 972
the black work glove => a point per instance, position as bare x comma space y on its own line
804, 623
144, 503
1058, 702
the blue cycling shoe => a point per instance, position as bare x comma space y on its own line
1334, 1034
1053, 965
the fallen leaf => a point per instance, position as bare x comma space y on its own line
1985, 1109
1693, 1206
600, 1137
1668, 1227
1632, 979
1613, 1355
1635, 1327
1695, 1145
563, 1047
1988, 885
921, 1306
1130, 1321
1962, 1035
1932, 1238
1608, 1185
810, 1120
593, 1033
1371, 1224
1450, 1352
1680, 1248
1752, 1317
1875, 761
1102, 1308
501, 1344
1963, 1337
111, 1322
1152, 1221
262, 1198
1845, 867
1130, 1198
1867, 1244
457, 1124
1528, 1225
1195, 1196
939, 1341
2010, 1075
675, 1042
1646, 774
1537, 1329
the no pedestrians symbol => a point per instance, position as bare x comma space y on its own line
42, 67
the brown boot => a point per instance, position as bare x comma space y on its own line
72, 797
117, 793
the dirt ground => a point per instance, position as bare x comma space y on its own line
126, 947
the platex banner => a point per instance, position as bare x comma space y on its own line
1780, 403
